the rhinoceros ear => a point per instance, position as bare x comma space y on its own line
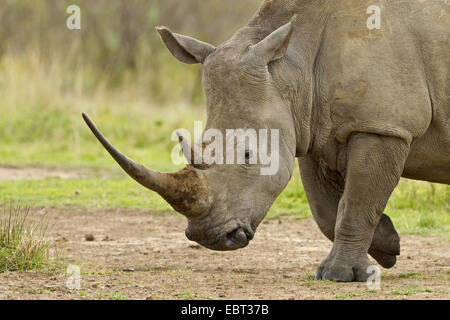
185, 49
275, 45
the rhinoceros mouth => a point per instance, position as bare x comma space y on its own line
238, 238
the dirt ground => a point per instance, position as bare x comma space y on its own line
12, 173
139, 255
35, 173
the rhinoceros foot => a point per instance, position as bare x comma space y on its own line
384, 259
334, 268
385, 245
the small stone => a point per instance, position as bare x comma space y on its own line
89, 237
128, 270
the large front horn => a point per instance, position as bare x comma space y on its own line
184, 190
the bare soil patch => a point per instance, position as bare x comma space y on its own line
139, 255
36, 173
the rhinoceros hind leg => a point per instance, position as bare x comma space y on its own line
386, 260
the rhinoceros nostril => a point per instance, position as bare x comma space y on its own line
238, 237
249, 233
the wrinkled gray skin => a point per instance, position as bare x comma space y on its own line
359, 108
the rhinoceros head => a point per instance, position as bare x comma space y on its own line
224, 203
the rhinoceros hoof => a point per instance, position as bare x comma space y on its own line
385, 243
386, 260
332, 270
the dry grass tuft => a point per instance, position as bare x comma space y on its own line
23, 241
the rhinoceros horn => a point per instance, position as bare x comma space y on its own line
184, 190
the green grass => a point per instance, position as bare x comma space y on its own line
347, 295
81, 294
416, 289
23, 242
421, 208
91, 193
407, 291
185, 295
116, 296
410, 275
60, 137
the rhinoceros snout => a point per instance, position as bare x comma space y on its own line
236, 239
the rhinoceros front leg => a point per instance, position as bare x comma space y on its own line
374, 167
324, 190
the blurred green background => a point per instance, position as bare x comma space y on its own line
117, 70
117, 46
